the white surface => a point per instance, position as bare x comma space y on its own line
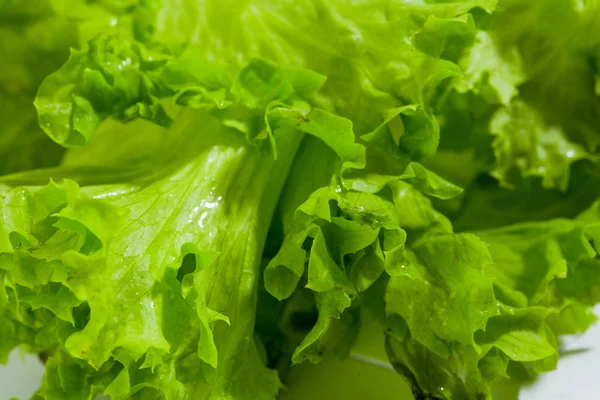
21, 377
577, 376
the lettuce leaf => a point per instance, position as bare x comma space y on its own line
247, 183
117, 248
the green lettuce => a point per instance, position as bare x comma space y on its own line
197, 196
34, 42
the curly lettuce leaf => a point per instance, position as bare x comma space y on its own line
528, 274
538, 85
137, 270
117, 248
447, 296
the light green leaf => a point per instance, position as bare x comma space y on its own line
491, 71
520, 334
528, 258
524, 145
443, 293
331, 305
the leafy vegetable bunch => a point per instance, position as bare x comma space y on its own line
197, 194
